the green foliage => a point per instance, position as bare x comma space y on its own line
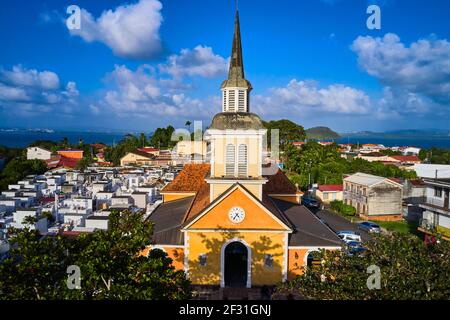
342, 208
328, 167
49, 216
321, 133
435, 155
162, 138
110, 262
46, 144
288, 130
410, 270
129, 143
390, 152
18, 168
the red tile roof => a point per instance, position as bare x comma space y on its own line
330, 187
417, 183
191, 178
148, 149
279, 183
397, 180
406, 158
60, 161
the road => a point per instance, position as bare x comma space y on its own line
338, 223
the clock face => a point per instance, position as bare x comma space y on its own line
236, 214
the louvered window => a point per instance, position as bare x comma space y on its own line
241, 101
242, 160
230, 160
231, 100
224, 94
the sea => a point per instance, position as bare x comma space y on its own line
22, 138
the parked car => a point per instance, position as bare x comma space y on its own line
356, 250
369, 226
348, 236
310, 202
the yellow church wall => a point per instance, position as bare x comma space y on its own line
255, 216
175, 196
211, 243
219, 189
288, 197
296, 258
174, 253
253, 154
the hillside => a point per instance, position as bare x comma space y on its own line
321, 133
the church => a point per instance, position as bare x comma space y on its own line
231, 222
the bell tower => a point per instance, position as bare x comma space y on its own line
235, 134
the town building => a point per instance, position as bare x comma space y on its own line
71, 153
373, 197
330, 192
136, 158
150, 150
38, 153
235, 221
436, 217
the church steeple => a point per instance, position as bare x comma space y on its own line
236, 89
236, 70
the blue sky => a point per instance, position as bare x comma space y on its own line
142, 64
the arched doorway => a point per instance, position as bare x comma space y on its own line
236, 264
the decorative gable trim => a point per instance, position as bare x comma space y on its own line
226, 194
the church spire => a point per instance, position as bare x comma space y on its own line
236, 70
236, 89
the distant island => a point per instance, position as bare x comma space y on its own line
321, 133
430, 133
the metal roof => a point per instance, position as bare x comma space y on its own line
308, 230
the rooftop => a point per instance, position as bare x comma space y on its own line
365, 179
330, 187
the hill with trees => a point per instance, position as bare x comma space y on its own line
321, 133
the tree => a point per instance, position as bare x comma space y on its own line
110, 262
288, 131
324, 165
142, 140
18, 168
435, 155
409, 269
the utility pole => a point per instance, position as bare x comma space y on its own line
309, 175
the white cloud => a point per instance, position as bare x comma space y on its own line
300, 97
141, 93
30, 92
18, 76
423, 68
130, 30
200, 61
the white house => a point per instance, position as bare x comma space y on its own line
411, 151
38, 153
436, 217
19, 219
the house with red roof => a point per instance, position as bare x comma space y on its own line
330, 192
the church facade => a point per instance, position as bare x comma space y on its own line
234, 221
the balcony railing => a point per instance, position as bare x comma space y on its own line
427, 224
437, 203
